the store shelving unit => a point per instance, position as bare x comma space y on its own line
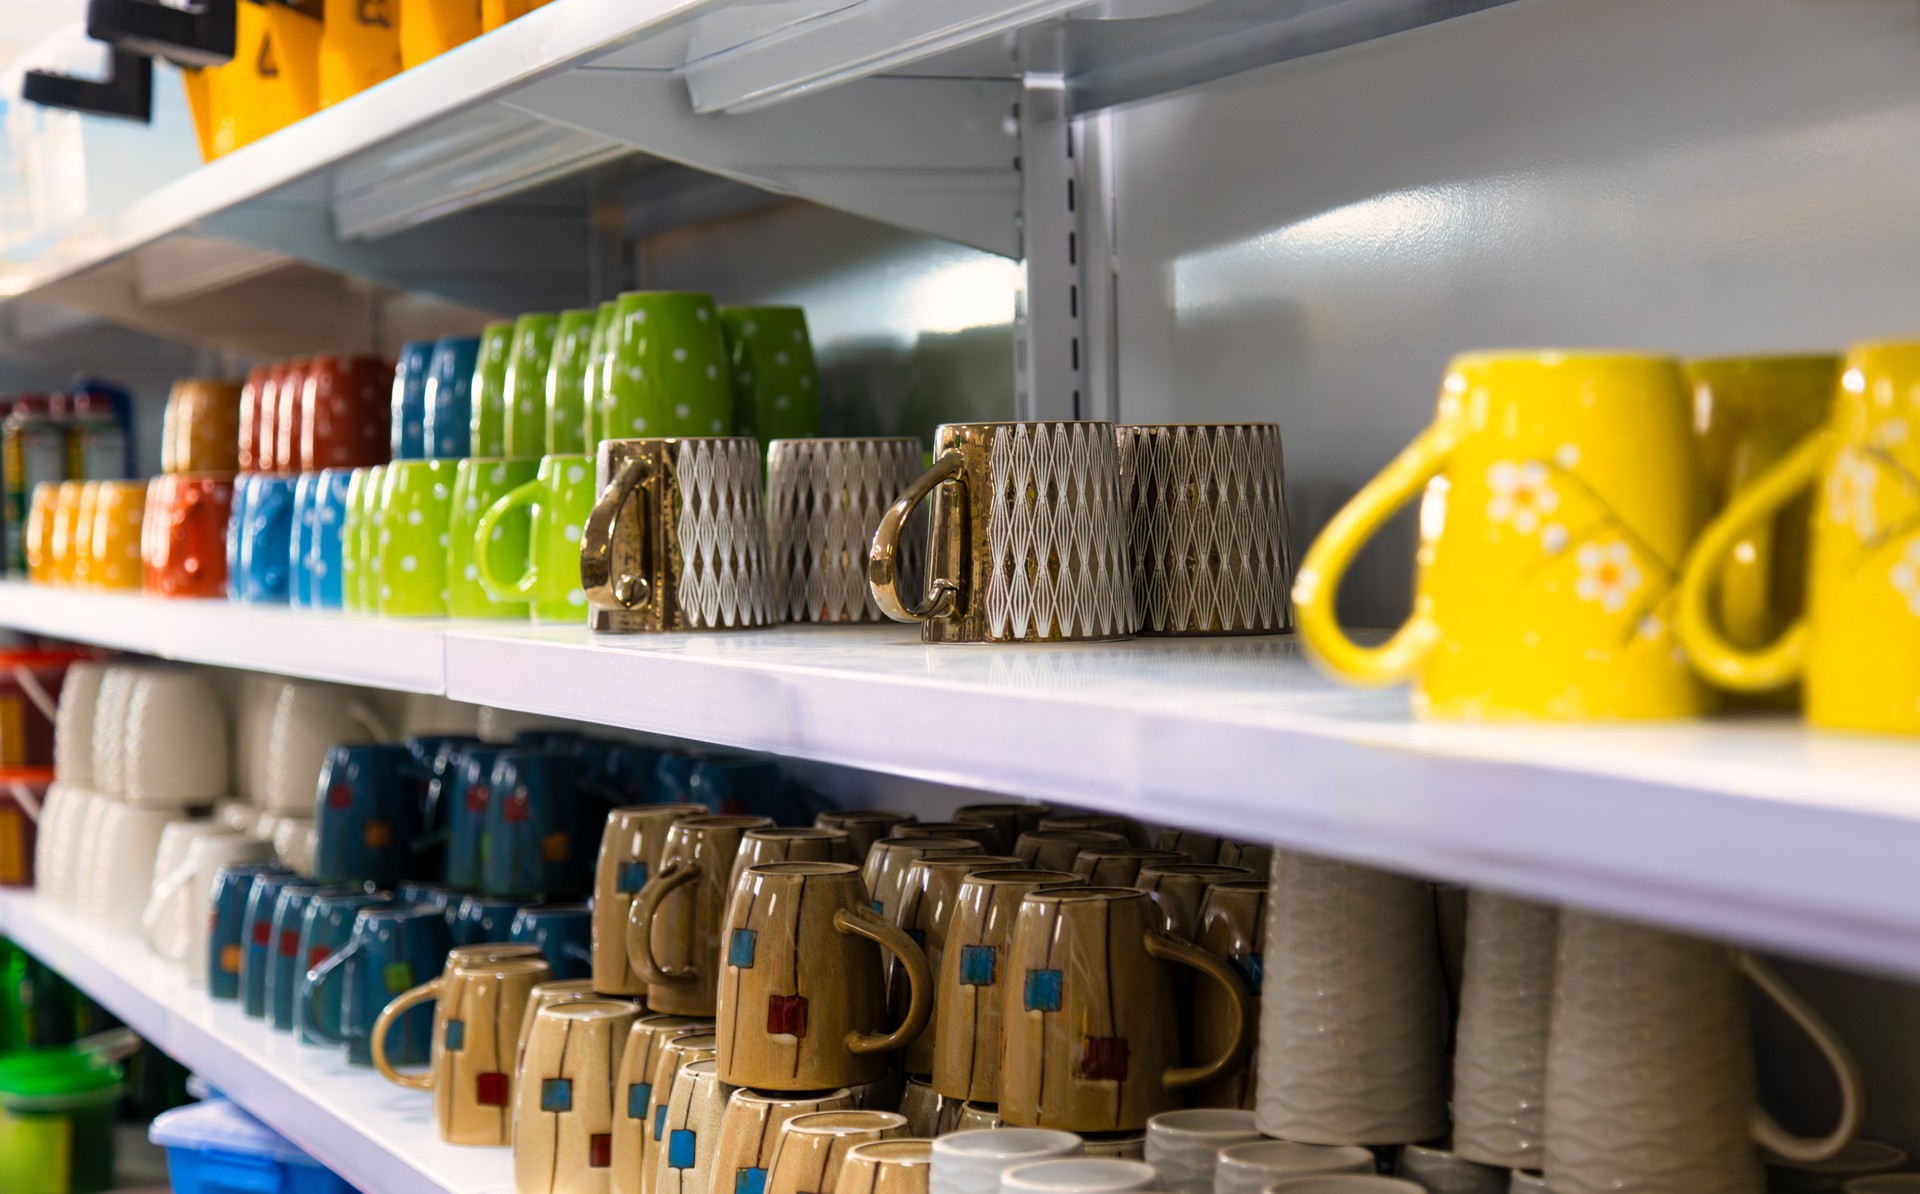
369, 1131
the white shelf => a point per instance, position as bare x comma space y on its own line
1755, 830
372, 1133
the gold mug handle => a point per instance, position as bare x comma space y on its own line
672, 877
1169, 948
1803, 1149
402, 1003
861, 921
883, 572
603, 589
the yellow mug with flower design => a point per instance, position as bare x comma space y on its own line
1857, 649
1563, 489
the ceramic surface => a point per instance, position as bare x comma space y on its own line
863, 826
559, 498
1438, 1171
898, 1166
928, 897
1008, 821
630, 850
1233, 928
1078, 1175
675, 1054
668, 370
1252, 1167
1500, 1051
634, 1101
1179, 888
752, 1128
1059, 849
689, 1137
972, 1162
887, 861
824, 502
674, 925
1182, 1146
1118, 866
173, 739
563, 1098
776, 385
200, 429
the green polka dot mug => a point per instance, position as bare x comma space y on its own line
668, 371
561, 497
488, 399
599, 360
526, 383
478, 483
776, 389
416, 502
566, 398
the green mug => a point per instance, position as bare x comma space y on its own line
567, 382
357, 482
561, 496
526, 410
366, 540
599, 357
477, 484
776, 388
668, 373
416, 503
489, 393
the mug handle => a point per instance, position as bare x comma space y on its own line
604, 590
1802, 1149
1317, 586
674, 875
402, 1003
1780, 661
883, 571
521, 495
309, 992
370, 721
1169, 948
1746, 580
862, 921
165, 894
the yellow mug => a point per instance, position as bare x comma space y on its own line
359, 46
429, 28
1567, 489
495, 13
40, 519
64, 547
1858, 645
113, 547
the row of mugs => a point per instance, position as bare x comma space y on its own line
86, 534
1647, 524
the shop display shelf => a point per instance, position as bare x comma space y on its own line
372, 1133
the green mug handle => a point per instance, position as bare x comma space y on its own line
521, 495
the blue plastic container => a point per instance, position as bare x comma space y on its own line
216, 1148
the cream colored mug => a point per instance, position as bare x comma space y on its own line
673, 927
563, 1098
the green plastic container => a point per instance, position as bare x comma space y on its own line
56, 1121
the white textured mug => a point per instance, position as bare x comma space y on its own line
122, 874
56, 841
175, 752
308, 718
294, 842
73, 723
1500, 1049
1438, 1171
175, 840
252, 696
972, 1162
1183, 1146
87, 861
178, 913
1077, 1175
1251, 1168
1352, 1007
109, 725
1650, 1074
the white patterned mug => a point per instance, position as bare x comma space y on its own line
692, 555
972, 1162
1500, 1050
1029, 537
825, 498
1183, 1146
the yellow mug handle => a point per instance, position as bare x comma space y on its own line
1780, 661
1316, 588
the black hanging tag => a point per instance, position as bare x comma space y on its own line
126, 92
200, 35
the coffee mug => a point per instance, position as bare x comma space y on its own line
674, 926
563, 1110
178, 918
926, 1112
863, 826
38, 531
448, 397
300, 576
525, 409
226, 926
888, 860
415, 536
634, 1101
109, 720
752, 1127
689, 1130
1438, 1171
1183, 1146
309, 717
368, 826
261, 571
813, 844
287, 962
973, 831
172, 735
200, 429
1132, 831
968, 1003
561, 498
802, 999
1059, 849
484, 920
1650, 1073
183, 537
1255, 1166
564, 933
318, 572
824, 502
668, 373
462, 814
1179, 889
1029, 537
1852, 647
1207, 527
356, 525
1500, 1044
73, 544
540, 816
487, 435
1008, 821
630, 851
924, 912
887, 1167
1119, 866
251, 433
776, 385
346, 418
478, 483
811, 1147
479, 1002
73, 722
972, 1161
1233, 928
281, 409
1198, 847
111, 559
553, 994
1351, 1049
1079, 1175
393, 947
1095, 965
257, 945
1574, 489
676, 1054
565, 402
594, 375
693, 554
407, 416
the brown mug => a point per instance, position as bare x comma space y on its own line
863, 826
1090, 1036
673, 928
345, 418
1233, 927
551, 994
811, 844
927, 899
633, 1101
1009, 821
200, 430
898, 1166
803, 1002
974, 831
751, 1129
967, 1001
1198, 847
563, 1101
690, 1130
630, 849
1179, 888
676, 1053
812, 1147
886, 866
1118, 866
1126, 827
1059, 849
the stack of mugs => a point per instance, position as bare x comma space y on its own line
86, 534
185, 511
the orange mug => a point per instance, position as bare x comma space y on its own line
495, 13
68, 505
183, 539
345, 418
289, 409
46, 496
112, 553
200, 431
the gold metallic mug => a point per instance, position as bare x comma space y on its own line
1028, 542
825, 497
694, 554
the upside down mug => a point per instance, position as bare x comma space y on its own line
1572, 490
